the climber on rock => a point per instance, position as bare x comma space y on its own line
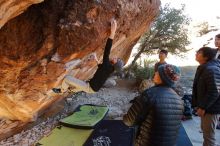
101, 75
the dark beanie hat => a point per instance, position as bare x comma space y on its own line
169, 74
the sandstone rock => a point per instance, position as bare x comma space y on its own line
36, 45
117, 100
12, 8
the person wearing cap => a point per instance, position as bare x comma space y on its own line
101, 75
162, 56
206, 91
157, 112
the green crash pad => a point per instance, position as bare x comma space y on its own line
65, 136
85, 116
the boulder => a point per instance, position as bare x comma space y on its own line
38, 45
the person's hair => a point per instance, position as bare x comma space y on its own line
207, 52
164, 51
218, 36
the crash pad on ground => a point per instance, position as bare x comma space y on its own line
183, 139
65, 136
85, 116
111, 133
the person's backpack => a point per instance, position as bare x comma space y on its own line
187, 114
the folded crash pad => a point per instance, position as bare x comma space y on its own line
65, 136
183, 139
85, 116
111, 133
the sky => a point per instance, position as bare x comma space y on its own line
199, 11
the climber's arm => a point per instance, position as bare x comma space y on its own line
109, 41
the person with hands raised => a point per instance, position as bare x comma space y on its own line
105, 69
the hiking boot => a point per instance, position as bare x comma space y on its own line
56, 90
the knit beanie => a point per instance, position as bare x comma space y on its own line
169, 74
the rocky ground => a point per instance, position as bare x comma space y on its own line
117, 99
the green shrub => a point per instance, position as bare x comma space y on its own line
142, 70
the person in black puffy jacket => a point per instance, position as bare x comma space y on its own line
206, 91
158, 110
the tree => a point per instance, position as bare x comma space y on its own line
167, 32
204, 28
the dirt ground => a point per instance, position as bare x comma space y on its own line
116, 98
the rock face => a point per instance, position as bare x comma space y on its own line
12, 8
37, 46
